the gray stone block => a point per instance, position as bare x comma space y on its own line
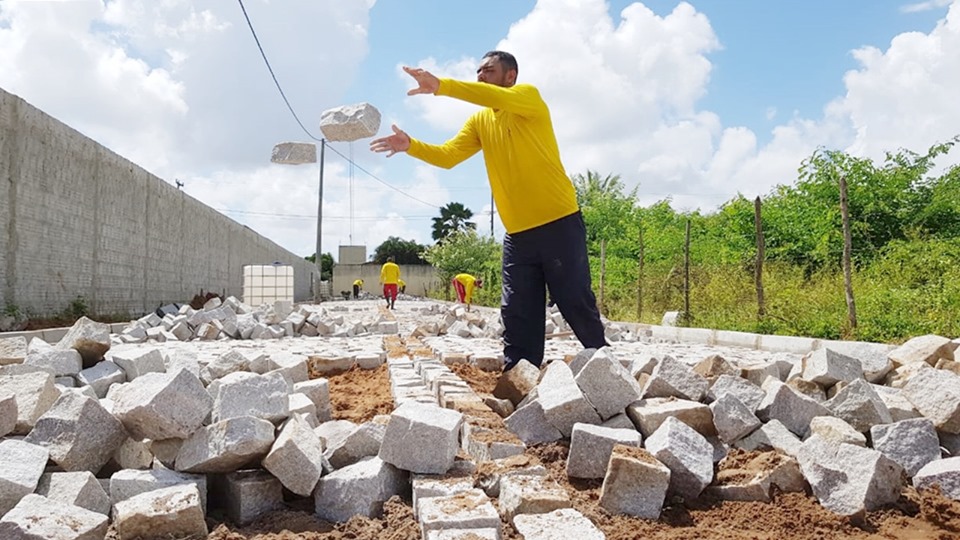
635, 484
607, 385
167, 512
36, 516
421, 438
591, 446
296, 457
8, 414
713, 366
648, 414
562, 400
470, 509
350, 122
162, 405
827, 367
427, 486
21, 465
732, 418
251, 494
560, 524
89, 338
772, 435
927, 349
249, 394
860, 406
688, 455
911, 443
360, 442
936, 394
521, 494
531, 426
78, 432
672, 378
358, 490
127, 483
748, 393
101, 376
518, 382
294, 153
464, 534
226, 446
755, 481
12, 350
138, 362
836, 430
848, 479
942, 473
76, 488
791, 408
60, 362
33, 390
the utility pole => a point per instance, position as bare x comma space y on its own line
319, 253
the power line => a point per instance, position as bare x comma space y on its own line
267, 62
290, 107
371, 175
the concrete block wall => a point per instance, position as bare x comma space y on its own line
77, 219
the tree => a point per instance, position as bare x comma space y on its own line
453, 218
326, 265
403, 251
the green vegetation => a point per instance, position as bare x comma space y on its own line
905, 228
404, 251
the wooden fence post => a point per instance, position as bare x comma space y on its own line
640, 280
687, 318
603, 272
758, 270
847, 255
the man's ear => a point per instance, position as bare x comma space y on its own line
512, 77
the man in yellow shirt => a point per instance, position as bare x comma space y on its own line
464, 285
357, 287
389, 276
545, 244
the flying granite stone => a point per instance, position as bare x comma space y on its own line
350, 122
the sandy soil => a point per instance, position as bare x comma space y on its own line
360, 395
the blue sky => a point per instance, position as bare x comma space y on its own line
691, 101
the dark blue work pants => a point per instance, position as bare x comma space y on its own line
552, 255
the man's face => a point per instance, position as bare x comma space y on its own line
491, 72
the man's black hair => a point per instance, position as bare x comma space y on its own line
507, 60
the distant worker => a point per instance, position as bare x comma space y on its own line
402, 285
390, 277
357, 287
464, 285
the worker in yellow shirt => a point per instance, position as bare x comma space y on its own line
357, 287
402, 285
389, 278
464, 285
545, 246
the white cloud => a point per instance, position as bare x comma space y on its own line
624, 98
924, 6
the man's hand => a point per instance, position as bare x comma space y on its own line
429, 83
398, 142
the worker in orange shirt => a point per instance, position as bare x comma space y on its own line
389, 278
464, 284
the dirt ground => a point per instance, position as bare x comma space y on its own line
359, 395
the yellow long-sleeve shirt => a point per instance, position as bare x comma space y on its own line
468, 282
529, 183
389, 273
